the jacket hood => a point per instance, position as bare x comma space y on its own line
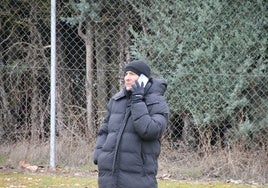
156, 86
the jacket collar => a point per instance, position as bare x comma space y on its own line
120, 94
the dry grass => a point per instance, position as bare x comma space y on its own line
225, 165
70, 152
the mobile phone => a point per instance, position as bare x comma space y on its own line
143, 79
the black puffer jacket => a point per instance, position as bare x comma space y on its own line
128, 143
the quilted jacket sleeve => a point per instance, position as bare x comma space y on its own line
150, 118
101, 137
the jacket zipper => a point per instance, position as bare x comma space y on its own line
119, 137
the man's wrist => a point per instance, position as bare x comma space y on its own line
136, 98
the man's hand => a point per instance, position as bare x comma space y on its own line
137, 91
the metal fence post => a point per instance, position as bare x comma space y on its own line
53, 84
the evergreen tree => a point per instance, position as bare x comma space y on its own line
214, 56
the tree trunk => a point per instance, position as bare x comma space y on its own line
101, 81
88, 38
6, 116
189, 133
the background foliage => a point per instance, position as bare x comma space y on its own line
212, 53
217, 56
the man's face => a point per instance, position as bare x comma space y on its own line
130, 78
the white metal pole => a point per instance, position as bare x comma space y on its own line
53, 84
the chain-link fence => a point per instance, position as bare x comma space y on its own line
212, 53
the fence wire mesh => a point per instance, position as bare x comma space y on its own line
213, 55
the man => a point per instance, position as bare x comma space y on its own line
128, 142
